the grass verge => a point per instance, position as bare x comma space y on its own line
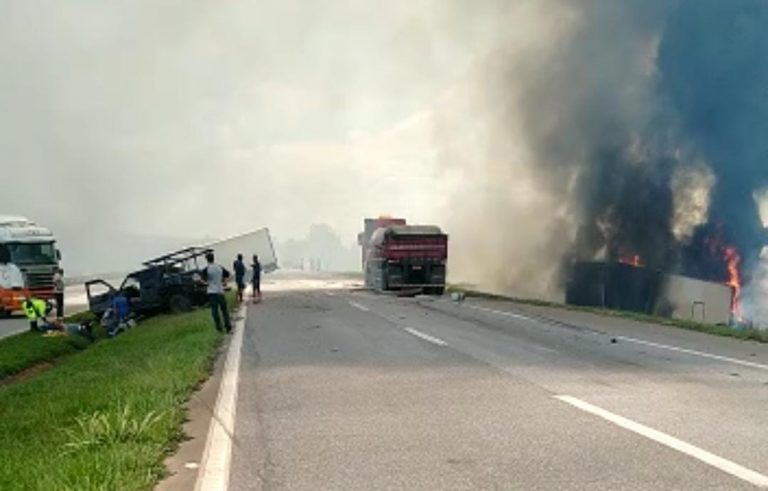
746, 334
22, 351
105, 418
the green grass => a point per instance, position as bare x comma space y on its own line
27, 349
105, 417
718, 330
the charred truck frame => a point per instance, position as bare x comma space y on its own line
407, 257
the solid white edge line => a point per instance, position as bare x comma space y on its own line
703, 354
214, 471
694, 352
720, 463
500, 312
426, 337
359, 306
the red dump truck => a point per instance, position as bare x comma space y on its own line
407, 257
370, 225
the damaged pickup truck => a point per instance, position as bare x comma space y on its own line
165, 284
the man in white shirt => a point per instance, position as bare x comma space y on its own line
215, 275
58, 292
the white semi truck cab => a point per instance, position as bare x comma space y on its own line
28, 260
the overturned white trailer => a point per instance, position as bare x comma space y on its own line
638, 289
258, 242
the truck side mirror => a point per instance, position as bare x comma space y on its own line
58, 254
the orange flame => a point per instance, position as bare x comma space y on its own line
732, 261
634, 260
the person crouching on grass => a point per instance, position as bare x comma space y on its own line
36, 310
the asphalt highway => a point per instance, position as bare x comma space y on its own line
342, 389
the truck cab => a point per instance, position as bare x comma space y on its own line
28, 260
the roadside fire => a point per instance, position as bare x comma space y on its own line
733, 262
633, 260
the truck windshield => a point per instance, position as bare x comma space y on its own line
34, 253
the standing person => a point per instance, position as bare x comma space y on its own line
256, 279
239, 267
214, 275
58, 292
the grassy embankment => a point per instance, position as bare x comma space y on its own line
22, 351
106, 416
717, 330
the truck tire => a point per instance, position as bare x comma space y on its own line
4, 314
179, 303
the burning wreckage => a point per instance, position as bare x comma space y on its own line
625, 282
671, 201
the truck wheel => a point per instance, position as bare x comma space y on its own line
179, 303
4, 314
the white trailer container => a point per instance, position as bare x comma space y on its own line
258, 242
695, 300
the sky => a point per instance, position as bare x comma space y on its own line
523, 128
208, 119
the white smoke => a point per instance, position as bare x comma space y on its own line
754, 297
691, 188
513, 142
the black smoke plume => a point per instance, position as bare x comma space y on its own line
712, 90
647, 121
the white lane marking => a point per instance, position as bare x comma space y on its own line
426, 337
724, 465
694, 352
214, 471
499, 312
359, 306
648, 343
330, 294
545, 349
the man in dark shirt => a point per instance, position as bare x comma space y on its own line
256, 279
239, 267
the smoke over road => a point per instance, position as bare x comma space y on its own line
549, 130
626, 131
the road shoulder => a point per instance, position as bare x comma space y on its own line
184, 465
